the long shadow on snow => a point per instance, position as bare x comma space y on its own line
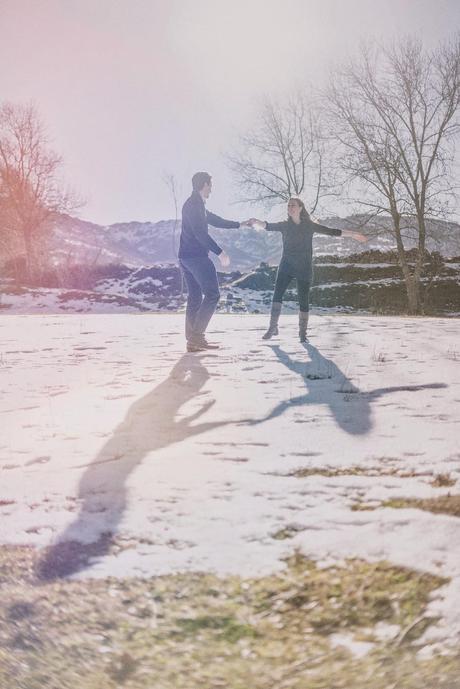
327, 384
149, 426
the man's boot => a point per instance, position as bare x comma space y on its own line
200, 344
274, 317
303, 322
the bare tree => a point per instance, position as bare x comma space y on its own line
394, 111
170, 180
10, 244
283, 155
30, 190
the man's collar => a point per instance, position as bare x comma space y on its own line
196, 194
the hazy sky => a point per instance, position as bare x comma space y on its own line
131, 89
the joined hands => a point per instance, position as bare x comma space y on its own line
252, 222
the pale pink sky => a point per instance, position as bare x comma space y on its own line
130, 89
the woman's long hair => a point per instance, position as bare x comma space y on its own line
304, 214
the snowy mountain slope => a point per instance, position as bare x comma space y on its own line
137, 243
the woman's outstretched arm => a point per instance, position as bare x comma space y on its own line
322, 229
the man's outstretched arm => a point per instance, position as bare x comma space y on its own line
217, 221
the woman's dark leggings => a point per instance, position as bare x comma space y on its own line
282, 282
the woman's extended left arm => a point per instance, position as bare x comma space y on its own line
322, 229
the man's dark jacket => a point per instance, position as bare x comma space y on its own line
194, 239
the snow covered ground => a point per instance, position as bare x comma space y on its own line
115, 298
196, 461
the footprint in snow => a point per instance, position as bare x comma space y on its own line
38, 460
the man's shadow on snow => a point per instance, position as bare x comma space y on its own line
151, 423
327, 384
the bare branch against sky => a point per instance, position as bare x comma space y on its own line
129, 89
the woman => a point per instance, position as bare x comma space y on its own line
296, 261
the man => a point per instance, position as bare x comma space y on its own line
198, 269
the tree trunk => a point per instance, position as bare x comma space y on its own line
411, 280
30, 260
419, 264
413, 295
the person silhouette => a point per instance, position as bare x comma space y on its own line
199, 272
150, 424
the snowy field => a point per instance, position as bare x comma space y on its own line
196, 462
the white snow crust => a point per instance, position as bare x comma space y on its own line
190, 460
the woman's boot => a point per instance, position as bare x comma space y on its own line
303, 322
274, 317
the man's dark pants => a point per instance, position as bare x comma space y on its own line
203, 295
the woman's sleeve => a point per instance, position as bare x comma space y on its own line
275, 226
322, 229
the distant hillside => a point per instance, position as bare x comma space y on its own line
136, 244
133, 267
370, 281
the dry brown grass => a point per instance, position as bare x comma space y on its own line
199, 630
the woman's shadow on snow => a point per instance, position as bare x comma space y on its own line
328, 385
151, 423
